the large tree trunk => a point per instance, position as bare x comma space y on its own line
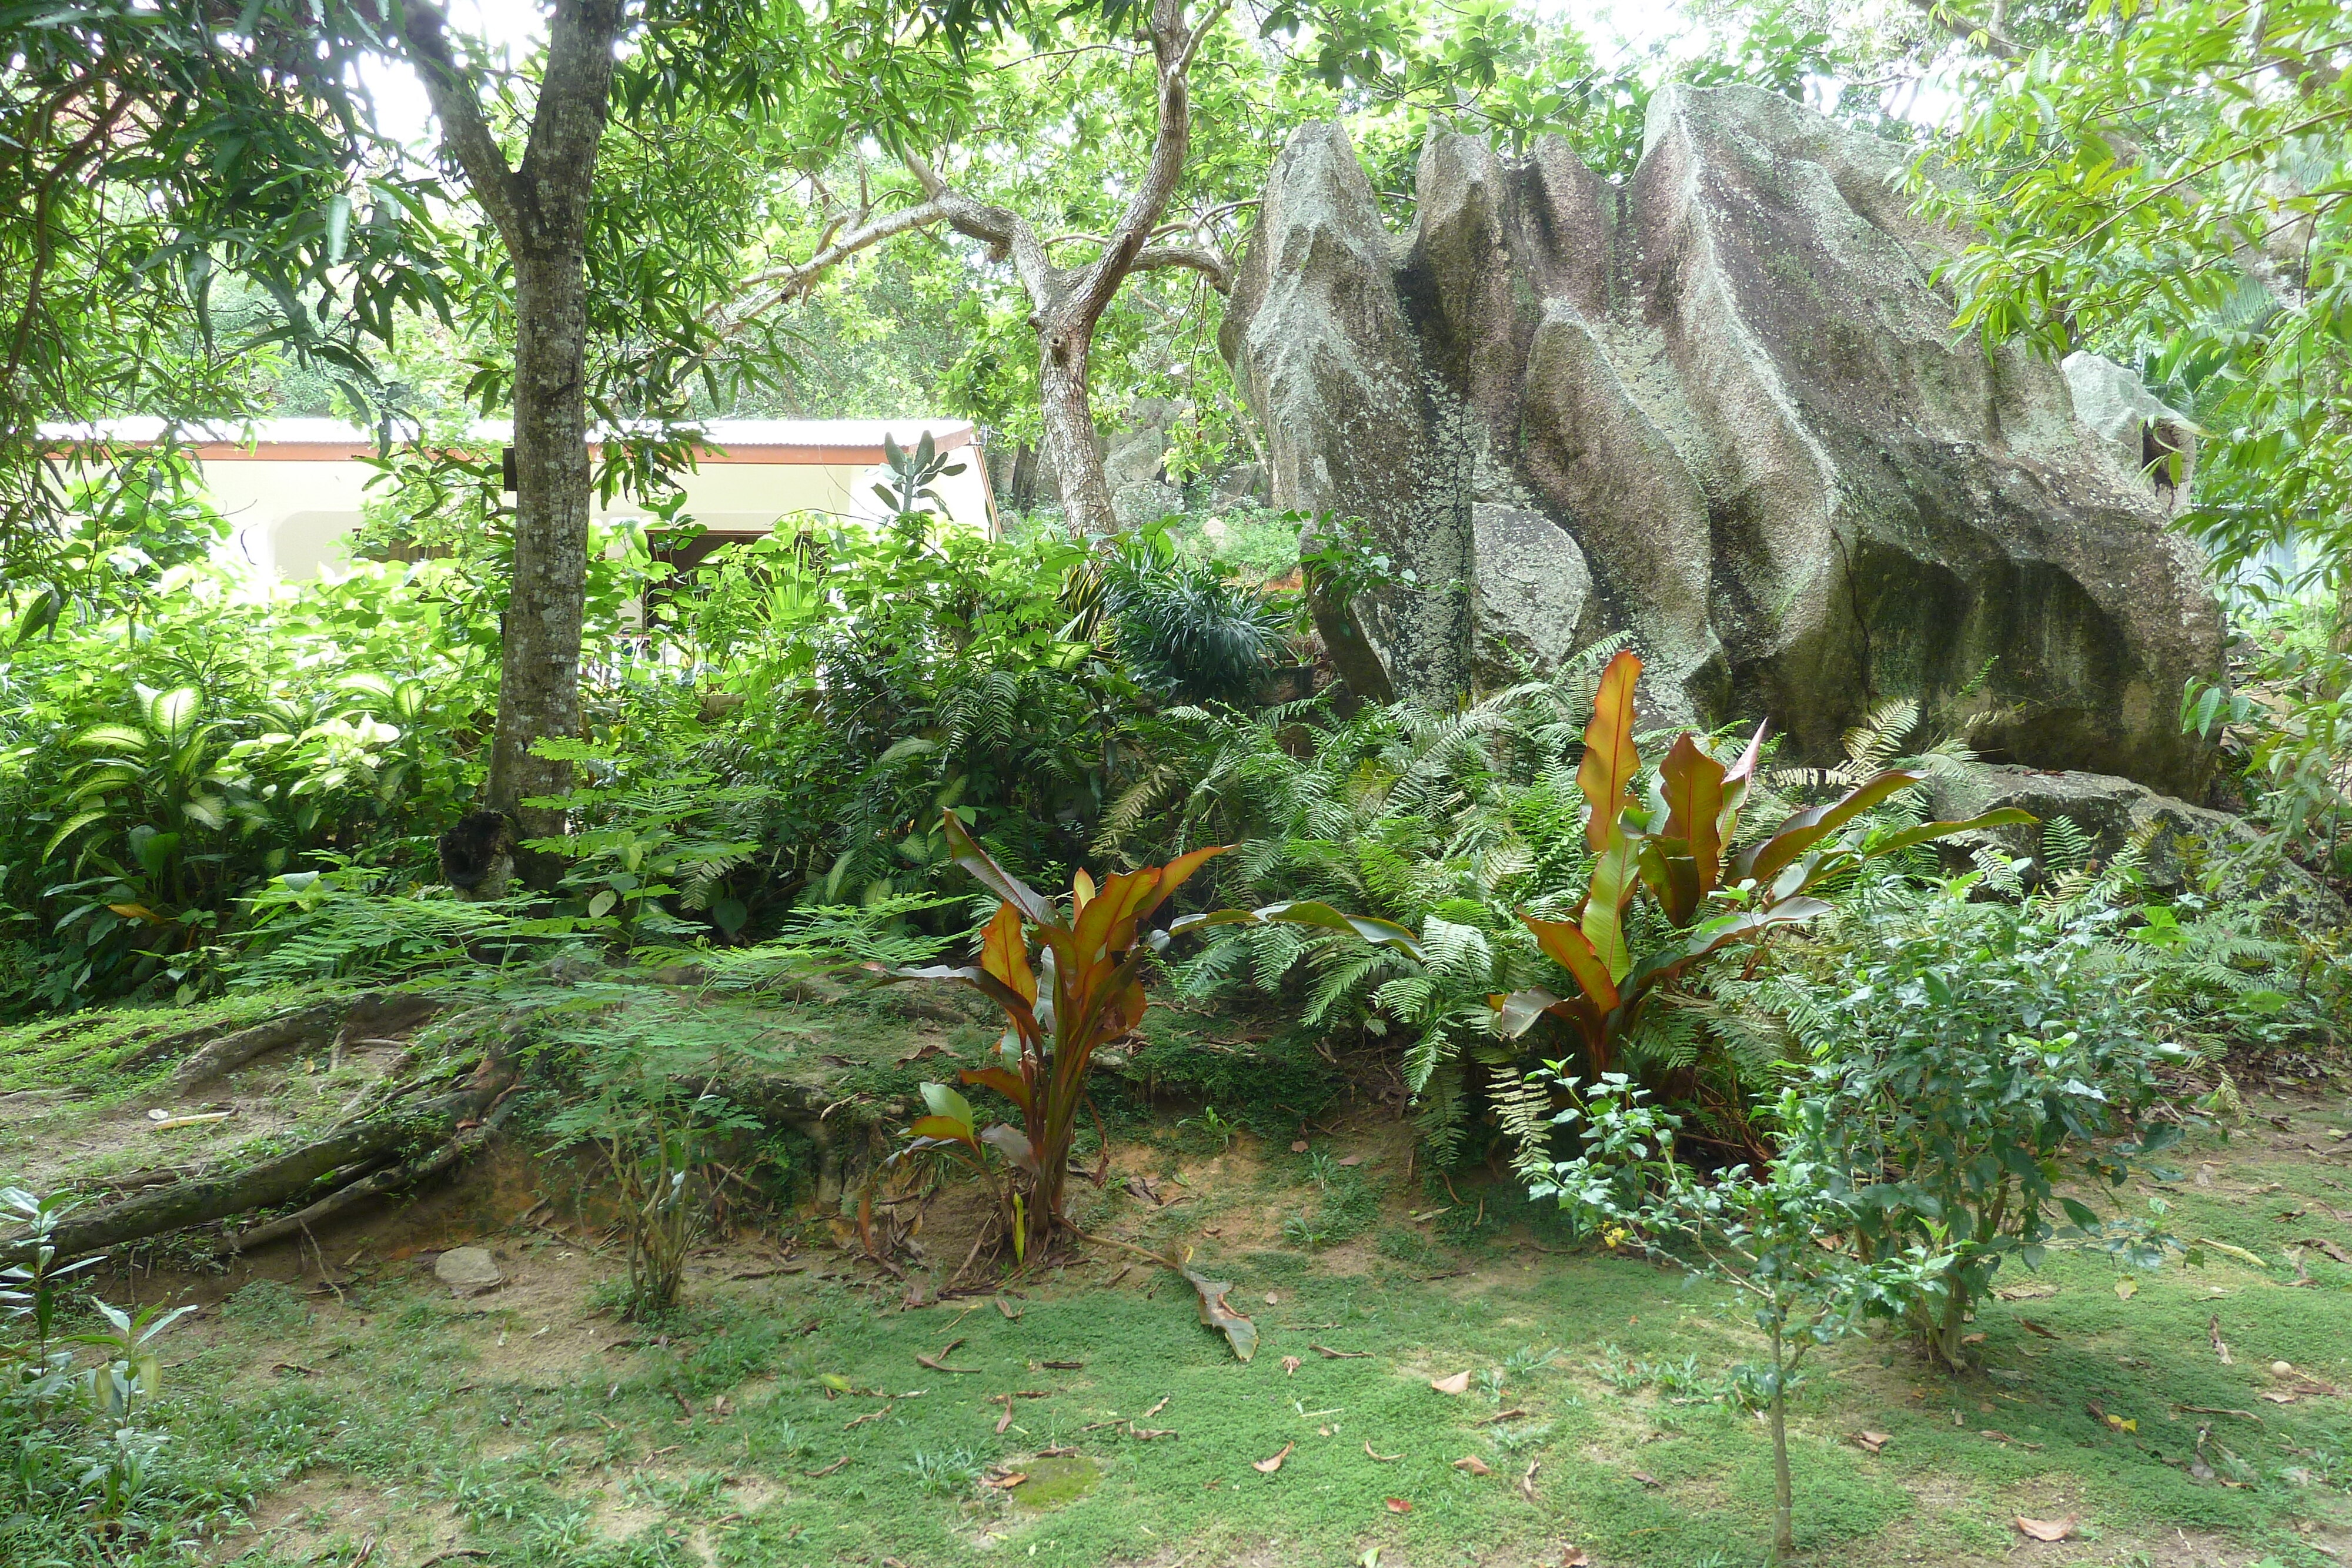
540, 209
539, 674
1063, 350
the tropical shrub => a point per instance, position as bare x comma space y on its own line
1968, 1053
1679, 846
156, 766
1783, 1237
1085, 990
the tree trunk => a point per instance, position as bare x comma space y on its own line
541, 209
1063, 348
1784, 1509
539, 674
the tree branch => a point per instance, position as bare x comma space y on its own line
1941, 13
465, 135
1208, 263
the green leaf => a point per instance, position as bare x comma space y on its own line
945, 1102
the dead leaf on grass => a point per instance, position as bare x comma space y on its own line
1004, 1421
1646, 1477
1869, 1441
1471, 1464
1399, 1505
1005, 1482
1146, 1433
2029, 1291
874, 1415
2126, 1289
1527, 1481
1575, 1559
1267, 1466
1062, 1365
1299, 1148
2029, 1326
1216, 1312
1352, 1160
1457, 1384
2277, 1398
828, 1469
1010, 1315
1972, 1339
2048, 1528
1329, 1354
2213, 1333
1290, 1364
2327, 1247
1382, 1459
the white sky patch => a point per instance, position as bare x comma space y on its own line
402, 109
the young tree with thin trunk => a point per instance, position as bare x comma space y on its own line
1066, 300
541, 207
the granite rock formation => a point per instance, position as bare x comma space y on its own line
1719, 406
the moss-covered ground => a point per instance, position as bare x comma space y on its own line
339, 1405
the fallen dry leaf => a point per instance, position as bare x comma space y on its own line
2126, 1289
872, 1415
2029, 1326
1299, 1148
1271, 1298
1869, 1441
1527, 1481
1972, 1339
1398, 1505
1005, 1420
2277, 1398
1156, 1409
2027, 1293
1006, 1483
1352, 1160
937, 1364
1457, 1384
1471, 1464
1645, 1479
828, 1469
2327, 1247
2213, 1333
1383, 1459
1267, 1466
1010, 1315
1146, 1433
1216, 1312
1062, 1365
1290, 1364
1329, 1353
1575, 1559
2047, 1529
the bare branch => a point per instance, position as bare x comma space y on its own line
1208, 263
465, 134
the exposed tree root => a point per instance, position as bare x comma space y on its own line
389, 1179
363, 1149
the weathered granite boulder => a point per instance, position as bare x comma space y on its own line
1144, 501
2185, 844
2144, 438
1731, 387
